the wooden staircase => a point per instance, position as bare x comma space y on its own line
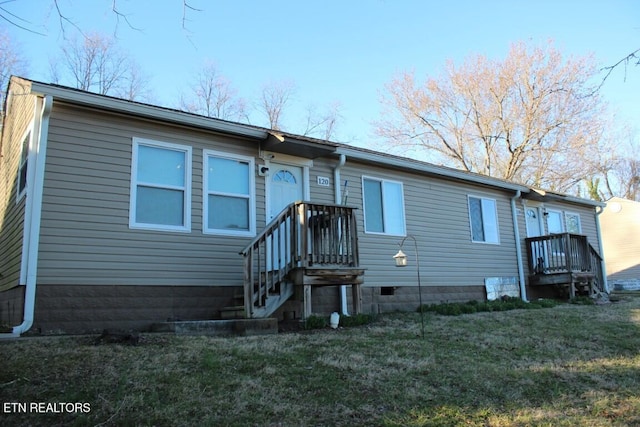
567, 261
306, 245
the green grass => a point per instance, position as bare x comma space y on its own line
561, 366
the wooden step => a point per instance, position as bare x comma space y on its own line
232, 312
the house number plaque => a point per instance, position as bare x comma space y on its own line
323, 181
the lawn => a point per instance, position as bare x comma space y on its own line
563, 366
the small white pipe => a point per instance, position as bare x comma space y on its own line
603, 265
337, 185
516, 232
34, 206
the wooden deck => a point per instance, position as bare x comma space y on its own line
307, 245
565, 259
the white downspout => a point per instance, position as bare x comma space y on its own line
34, 207
516, 232
337, 185
603, 265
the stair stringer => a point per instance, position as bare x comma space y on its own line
274, 301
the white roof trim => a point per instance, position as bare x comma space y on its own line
147, 110
429, 169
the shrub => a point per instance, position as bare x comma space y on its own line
315, 322
503, 304
582, 300
356, 320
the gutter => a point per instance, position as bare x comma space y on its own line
33, 215
145, 110
428, 168
516, 232
338, 200
603, 266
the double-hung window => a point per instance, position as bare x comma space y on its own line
23, 166
383, 206
484, 220
160, 186
229, 196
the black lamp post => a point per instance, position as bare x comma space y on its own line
401, 261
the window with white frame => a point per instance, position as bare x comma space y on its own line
23, 166
160, 186
383, 206
572, 222
484, 220
229, 195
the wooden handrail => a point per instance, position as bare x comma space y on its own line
304, 234
560, 253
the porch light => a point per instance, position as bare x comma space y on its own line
401, 261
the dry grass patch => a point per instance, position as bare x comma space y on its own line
568, 365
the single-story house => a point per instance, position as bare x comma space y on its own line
118, 214
621, 243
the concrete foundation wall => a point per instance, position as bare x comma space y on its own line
74, 309
11, 306
89, 309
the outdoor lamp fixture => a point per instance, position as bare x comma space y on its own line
401, 261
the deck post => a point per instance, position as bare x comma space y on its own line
357, 298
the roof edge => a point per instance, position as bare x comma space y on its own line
429, 168
146, 110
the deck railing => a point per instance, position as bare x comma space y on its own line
302, 235
564, 253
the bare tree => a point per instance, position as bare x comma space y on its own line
64, 12
213, 96
10, 63
620, 168
322, 125
96, 64
274, 98
530, 118
134, 85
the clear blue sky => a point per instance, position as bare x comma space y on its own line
336, 50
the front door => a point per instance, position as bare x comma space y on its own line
535, 228
285, 186
534, 225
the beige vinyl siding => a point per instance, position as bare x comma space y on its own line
22, 108
319, 193
437, 215
621, 240
85, 235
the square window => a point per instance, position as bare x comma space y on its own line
484, 220
229, 196
160, 186
383, 206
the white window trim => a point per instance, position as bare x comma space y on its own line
566, 213
136, 142
364, 208
28, 133
495, 204
205, 193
